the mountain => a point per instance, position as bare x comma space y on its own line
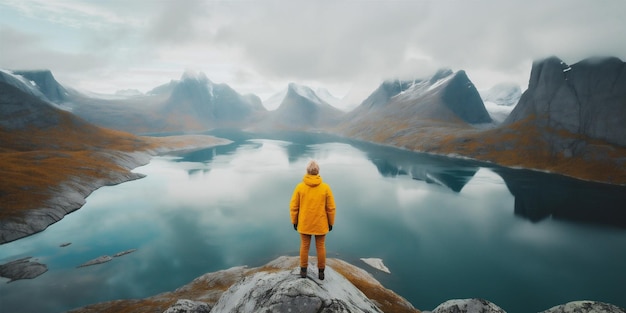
570, 120
301, 108
383, 94
52, 160
192, 103
505, 94
402, 108
273, 102
329, 98
213, 105
45, 82
585, 99
500, 100
21, 83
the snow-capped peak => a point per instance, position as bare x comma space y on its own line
21, 83
190, 74
325, 95
305, 92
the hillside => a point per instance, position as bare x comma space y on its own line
196, 100
569, 121
51, 161
45, 82
430, 107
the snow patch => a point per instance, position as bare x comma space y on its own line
377, 264
439, 82
306, 92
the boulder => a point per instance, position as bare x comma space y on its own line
285, 291
189, 306
468, 306
23, 268
585, 307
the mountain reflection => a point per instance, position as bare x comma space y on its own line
539, 196
390, 162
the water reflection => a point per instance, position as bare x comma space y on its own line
539, 196
444, 227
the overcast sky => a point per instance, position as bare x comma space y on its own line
348, 47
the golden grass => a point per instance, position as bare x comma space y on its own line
35, 161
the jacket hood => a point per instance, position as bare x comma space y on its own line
312, 180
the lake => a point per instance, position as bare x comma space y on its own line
446, 228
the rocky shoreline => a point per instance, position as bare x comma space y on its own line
68, 196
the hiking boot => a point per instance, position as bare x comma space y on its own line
303, 272
321, 274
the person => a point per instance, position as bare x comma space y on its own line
312, 209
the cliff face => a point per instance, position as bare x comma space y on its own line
46, 83
587, 98
274, 287
277, 287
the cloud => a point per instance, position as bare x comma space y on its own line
329, 43
29, 51
324, 40
177, 22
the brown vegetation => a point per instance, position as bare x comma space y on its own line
34, 162
524, 144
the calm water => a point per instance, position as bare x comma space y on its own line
445, 228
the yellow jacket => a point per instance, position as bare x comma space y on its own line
312, 206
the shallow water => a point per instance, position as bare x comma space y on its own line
445, 228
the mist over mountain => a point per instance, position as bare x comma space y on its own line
405, 107
21, 83
301, 108
192, 103
500, 100
213, 105
329, 98
46, 83
505, 94
561, 111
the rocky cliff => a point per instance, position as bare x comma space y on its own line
46, 83
277, 287
587, 98
274, 287
570, 120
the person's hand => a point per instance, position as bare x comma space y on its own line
330, 227
295, 227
